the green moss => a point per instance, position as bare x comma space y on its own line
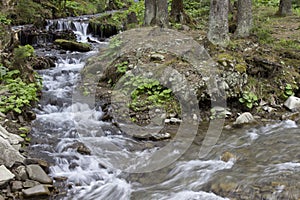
241, 68
72, 45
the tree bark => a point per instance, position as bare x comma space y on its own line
156, 13
177, 11
150, 11
218, 22
285, 7
162, 17
244, 18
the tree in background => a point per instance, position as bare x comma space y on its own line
244, 18
177, 14
218, 22
285, 7
156, 13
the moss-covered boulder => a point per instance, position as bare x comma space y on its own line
73, 46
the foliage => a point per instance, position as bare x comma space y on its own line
146, 92
249, 99
22, 53
273, 3
29, 12
24, 133
263, 35
18, 93
198, 11
122, 67
4, 20
139, 9
288, 91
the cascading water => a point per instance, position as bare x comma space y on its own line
64, 126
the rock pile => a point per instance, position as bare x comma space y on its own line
21, 177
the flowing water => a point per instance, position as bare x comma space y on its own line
266, 163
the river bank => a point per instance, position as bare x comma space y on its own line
243, 71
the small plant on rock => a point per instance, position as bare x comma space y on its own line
249, 99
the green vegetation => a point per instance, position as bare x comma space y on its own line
18, 93
24, 133
249, 99
122, 67
146, 92
288, 91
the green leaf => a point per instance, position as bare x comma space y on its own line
23, 135
249, 105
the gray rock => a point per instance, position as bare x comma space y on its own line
244, 118
35, 172
37, 190
21, 173
5, 175
9, 155
30, 183
292, 103
16, 185
1, 197
12, 138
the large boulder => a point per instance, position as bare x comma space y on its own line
73, 46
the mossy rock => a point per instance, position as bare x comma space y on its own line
73, 46
241, 68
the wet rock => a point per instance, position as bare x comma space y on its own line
73, 46
16, 186
5, 175
38, 190
226, 156
292, 103
82, 149
43, 62
244, 118
35, 172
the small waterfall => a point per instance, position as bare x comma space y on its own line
79, 27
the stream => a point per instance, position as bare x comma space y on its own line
267, 163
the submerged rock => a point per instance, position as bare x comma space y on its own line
292, 103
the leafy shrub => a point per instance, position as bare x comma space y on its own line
22, 53
147, 92
18, 93
249, 99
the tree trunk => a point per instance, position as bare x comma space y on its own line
218, 22
285, 7
244, 18
177, 11
156, 13
150, 11
162, 18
